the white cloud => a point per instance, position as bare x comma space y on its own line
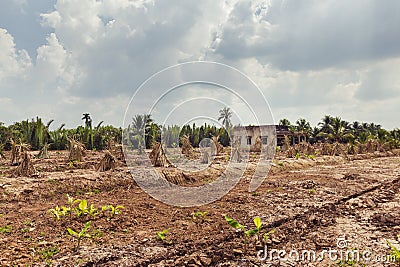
308, 58
13, 62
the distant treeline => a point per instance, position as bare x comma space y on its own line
36, 133
334, 129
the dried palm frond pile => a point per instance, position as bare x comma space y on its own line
76, 150
236, 154
257, 145
157, 156
26, 167
115, 150
219, 148
108, 162
205, 159
286, 143
17, 150
1, 152
187, 148
176, 176
44, 154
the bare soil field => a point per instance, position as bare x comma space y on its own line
312, 203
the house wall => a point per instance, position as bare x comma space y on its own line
252, 132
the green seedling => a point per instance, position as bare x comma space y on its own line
235, 224
297, 155
82, 208
58, 212
92, 211
80, 235
246, 233
395, 252
199, 216
49, 253
257, 230
267, 235
162, 235
6, 229
113, 210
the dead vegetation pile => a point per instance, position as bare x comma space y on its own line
219, 149
25, 168
257, 145
17, 150
116, 150
187, 148
44, 152
157, 156
76, 150
108, 162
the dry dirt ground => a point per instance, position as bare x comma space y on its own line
317, 204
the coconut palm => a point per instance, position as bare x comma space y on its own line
284, 122
138, 127
225, 115
325, 124
339, 130
88, 120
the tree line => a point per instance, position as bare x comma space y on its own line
334, 129
36, 133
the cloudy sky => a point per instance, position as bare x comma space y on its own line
61, 58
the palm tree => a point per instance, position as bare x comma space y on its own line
225, 115
88, 120
138, 130
325, 124
284, 122
339, 130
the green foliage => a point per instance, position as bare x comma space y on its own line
395, 252
81, 208
162, 236
235, 224
6, 229
258, 224
267, 235
113, 210
199, 216
58, 212
81, 234
49, 253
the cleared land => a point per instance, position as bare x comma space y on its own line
309, 202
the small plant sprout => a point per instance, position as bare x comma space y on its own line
199, 216
235, 224
113, 210
267, 235
92, 211
82, 208
48, 253
59, 211
80, 235
395, 252
5, 229
246, 233
162, 235
257, 230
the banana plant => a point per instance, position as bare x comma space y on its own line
80, 235
246, 233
